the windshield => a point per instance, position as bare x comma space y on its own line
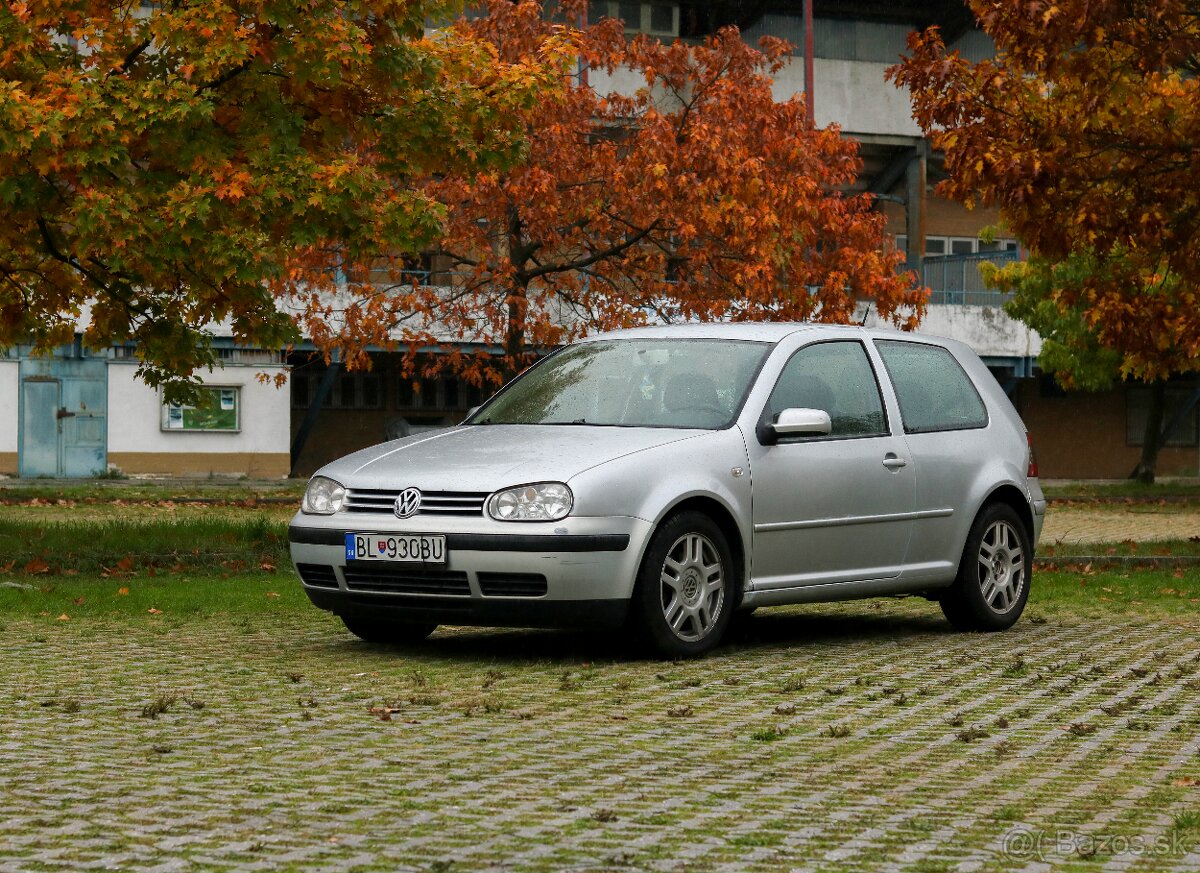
686, 383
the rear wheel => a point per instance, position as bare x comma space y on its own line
683, 598
994, 575
392, 633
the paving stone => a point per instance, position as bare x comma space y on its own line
519, 750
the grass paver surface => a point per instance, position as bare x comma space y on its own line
170, 701
853, 736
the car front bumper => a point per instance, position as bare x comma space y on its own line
577, 572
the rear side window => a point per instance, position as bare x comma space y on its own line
934, 391
837, 378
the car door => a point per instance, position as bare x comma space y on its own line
945, 424
836, 507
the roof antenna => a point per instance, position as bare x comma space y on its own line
866, 312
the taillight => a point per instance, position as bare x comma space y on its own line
1033, 470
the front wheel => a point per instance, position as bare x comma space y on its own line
389, 633
993, 577
683, 598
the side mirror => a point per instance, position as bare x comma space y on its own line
797, 421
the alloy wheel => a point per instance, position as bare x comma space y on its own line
692, 587
1001, 567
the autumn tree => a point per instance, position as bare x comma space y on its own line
662, 182
165, 167
1085, 130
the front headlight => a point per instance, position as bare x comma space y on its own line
322, 496
542, 501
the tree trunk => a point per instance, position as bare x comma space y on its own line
514, 340
1144, 472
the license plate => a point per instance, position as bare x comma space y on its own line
407, 548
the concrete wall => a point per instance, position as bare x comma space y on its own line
987, 330
10, 388
137, 444
852, 94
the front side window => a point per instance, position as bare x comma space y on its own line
835, 377
934, 391
218, 410
684, 383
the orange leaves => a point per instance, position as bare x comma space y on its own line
1076, 131
195, 140
715, 201
37, 567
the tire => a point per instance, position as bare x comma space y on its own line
388, 633
994, 574
686, 588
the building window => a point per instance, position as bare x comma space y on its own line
444, 393
656, 19
219, 410
349, 390
1137, 407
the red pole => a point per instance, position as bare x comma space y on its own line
583, 70
808, 61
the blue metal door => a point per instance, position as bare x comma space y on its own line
39, 429
63, 417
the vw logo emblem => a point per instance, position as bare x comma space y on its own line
407, 503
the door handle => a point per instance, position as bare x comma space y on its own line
894, 462
64, 413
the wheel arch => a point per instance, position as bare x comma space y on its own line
723, 517
1010, 495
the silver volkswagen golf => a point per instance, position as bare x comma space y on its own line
662, 479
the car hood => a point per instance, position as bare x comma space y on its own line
489, 457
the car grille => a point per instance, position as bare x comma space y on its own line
317, 575
512, 584
394, 579
381, 501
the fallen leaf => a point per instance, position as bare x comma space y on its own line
272, 594
78, 601
64, 617
1187, 782
154, 611
266, 565
36, 566
122, 591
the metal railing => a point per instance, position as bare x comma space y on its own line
956, 280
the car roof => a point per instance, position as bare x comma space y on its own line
761, 331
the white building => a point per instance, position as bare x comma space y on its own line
80, 414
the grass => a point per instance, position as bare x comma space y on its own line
114, 547
134, 596
103, 490
1128, 548
1173, 489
